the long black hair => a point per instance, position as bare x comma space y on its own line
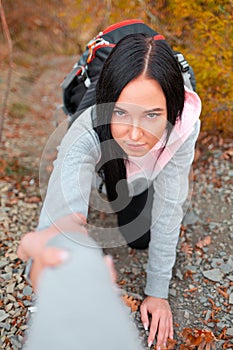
134, 55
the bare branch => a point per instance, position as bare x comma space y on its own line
9, 42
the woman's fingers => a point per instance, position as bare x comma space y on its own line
49, 257
144, 316
109, 262
161, 322
153, 328
52, 256
163, 331
32, 243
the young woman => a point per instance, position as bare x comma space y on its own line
140, 137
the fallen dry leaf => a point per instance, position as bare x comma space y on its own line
198, 339
171, 343
228, 154
186, 248
204, 242
223, 292
33, 199
130, 302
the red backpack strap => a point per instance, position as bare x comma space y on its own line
159, 37
121, 24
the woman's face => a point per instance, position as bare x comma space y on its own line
139, 117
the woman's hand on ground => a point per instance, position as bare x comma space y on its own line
33, 245
161, 321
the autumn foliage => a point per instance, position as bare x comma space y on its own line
202, 30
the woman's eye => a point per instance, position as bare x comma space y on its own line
119, 113
152, 115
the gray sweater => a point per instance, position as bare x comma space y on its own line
74, 174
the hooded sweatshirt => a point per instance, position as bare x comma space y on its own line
74, 175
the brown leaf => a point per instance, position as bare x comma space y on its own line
170, 345
186, 248
228, 154
129, 301
204, 339
33, 199
122, 282
223, 292
204, 242
188, 274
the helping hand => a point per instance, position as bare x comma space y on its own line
33, 245
161, 322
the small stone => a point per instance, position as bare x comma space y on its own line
15, 342
27, 291
222, 254
230, 261
7, 276
10, 288
172, 292
11, 298
231, 298
203, 300
190, 218
18, 278
211, 324
27, 302
226, 268
8, 269
8, 307
229, 331
221, 325
23, 327
21, 286
3, 315
13, 256
3, 264
208, 314
179, 274
215, 275
186, 314
5, 326
216, 262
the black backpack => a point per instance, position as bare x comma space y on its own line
78, 87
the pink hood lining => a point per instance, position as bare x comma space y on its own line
182, 130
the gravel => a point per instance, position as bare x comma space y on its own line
201, 290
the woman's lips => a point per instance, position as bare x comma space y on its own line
135, 145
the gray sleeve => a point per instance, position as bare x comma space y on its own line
70, 182
78, 308
170, 192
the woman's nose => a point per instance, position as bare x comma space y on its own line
135, 132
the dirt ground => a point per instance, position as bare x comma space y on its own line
30, 128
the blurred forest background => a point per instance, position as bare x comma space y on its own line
201, 30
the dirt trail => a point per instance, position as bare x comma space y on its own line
35, 96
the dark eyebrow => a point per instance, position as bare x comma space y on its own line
122, 109
155, 110
158, 109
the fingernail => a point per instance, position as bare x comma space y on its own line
109, 257
145, 326
159, 348
150, 343
64, 255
